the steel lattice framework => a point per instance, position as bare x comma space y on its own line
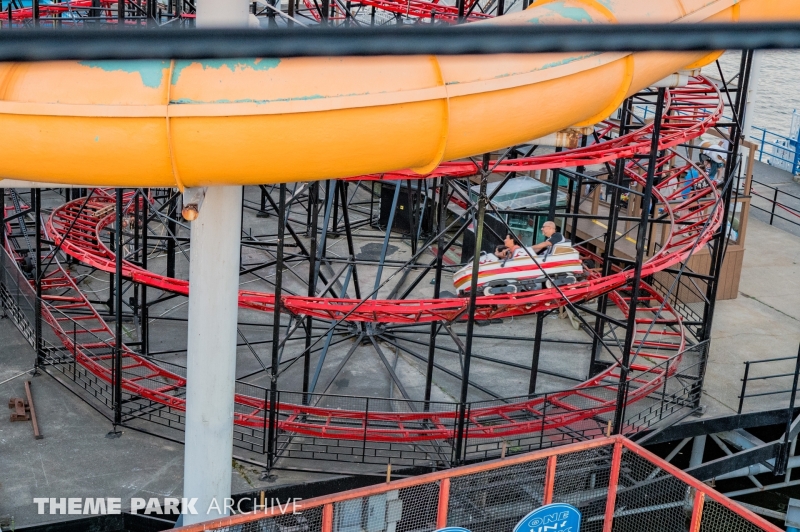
75, 228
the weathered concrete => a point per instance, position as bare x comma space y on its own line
75, 459
762, 323
762, 197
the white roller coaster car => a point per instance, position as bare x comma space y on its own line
521, 273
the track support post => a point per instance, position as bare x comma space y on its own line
641, 245
276, 331
473, 294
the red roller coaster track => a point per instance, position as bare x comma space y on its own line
76, 227
419, 9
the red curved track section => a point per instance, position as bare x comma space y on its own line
420, 9
76, 227
689, 229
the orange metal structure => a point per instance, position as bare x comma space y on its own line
224, 122
616, 484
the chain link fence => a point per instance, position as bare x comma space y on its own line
615, 484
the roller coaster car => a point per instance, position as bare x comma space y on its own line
521, 273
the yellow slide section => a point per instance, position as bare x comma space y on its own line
250, 121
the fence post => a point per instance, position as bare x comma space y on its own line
549, 479
74, 350
796, 160
544, 416
783, 458
267, 399
364, 441
697, 511
744, 386
327, 518
774, 203
611, 500
763, 140
664, 389
444, 502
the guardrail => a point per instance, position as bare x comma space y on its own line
747, 379
777, 150
776, 207
615, 484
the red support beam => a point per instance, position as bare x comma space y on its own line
697, 511
611, 501
444, 502
327, 518
549, 479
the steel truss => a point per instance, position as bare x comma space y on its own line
649, 363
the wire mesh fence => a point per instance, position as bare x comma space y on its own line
613, 483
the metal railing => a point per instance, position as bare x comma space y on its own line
776, 208
748, 379
675, 388
779, 151
615, 484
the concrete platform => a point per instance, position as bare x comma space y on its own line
762, 323
786, 183
75, 458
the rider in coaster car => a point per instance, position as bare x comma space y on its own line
552, 237
508, 250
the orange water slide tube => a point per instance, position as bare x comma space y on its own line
270, 120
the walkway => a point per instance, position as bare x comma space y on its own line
782, 180
763, 322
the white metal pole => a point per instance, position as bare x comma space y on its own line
211, 357
213, 313
752, 93
222, 13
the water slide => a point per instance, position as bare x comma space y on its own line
243, 121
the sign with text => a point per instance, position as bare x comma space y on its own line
557, 517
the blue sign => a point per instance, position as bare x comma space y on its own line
557, 517
451, 529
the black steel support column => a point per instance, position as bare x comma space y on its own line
112, 246
325, 9
576, 199
313, 203
276, 332
537, 349
437, 285
551, 210
144, 316
641, 246
473, 294
2, 218
349, 237
720, 239
36, 194
611, 236
172, 230
118, 308
135, 255
121, 12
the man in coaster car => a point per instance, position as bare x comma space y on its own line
552, 237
